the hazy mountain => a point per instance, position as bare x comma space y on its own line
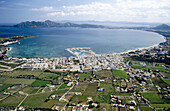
162, 27
49, 23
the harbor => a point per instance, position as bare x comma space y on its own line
81, 51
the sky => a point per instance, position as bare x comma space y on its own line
15, 11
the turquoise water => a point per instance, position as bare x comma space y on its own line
52, 42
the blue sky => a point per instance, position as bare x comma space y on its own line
14, 11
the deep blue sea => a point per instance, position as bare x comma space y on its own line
52, 42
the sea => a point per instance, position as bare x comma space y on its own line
52, 42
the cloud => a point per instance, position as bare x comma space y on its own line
22, 4
121, 10
45, 9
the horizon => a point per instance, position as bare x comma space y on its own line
138, 11
90, 21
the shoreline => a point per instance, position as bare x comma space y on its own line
140, 49
7, 43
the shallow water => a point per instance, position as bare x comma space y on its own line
52, 42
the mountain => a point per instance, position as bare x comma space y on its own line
162, 27
49, 23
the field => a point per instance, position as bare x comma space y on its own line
104, 97
104, 73
91, 90
39, 83
50, 103
120, 74
161, 105
60, 91
22, 72
154, 98
36, 101
49, 76
18, 81
84, 76
13, 100
4, 86
166, 81
145, 108
63, 86
30, 90
80, 88
159, 82
107, 107
151, 68
79, 98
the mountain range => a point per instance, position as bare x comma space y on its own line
49, 23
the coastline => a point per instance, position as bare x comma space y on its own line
7, 43
139, 49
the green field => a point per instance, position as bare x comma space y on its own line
91, 91
161, 105
167, 81
79, 98
119, 73
50, 103
30, 90
13, 100
84, 76
63, 86
104, 97
146, 108
49, 76
154, 98
151, 68
19, 72
18, 81
39, 83
4, 86
60, 91
36, 101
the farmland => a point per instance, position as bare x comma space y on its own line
120, 74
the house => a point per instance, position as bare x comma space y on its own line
83, 104
70, 84
100, 89
132, 108
89, 99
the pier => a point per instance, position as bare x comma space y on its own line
81, 51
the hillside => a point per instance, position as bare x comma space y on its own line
162, 27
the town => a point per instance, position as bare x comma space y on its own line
133, 81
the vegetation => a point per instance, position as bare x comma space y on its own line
4, 86
36, 101
63, 86
13, 100
41, 83
167, 81
30, 90
104, 96
151, 68
60, 91
119, 73
161, 105
84, 76
18, 81
154, 98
